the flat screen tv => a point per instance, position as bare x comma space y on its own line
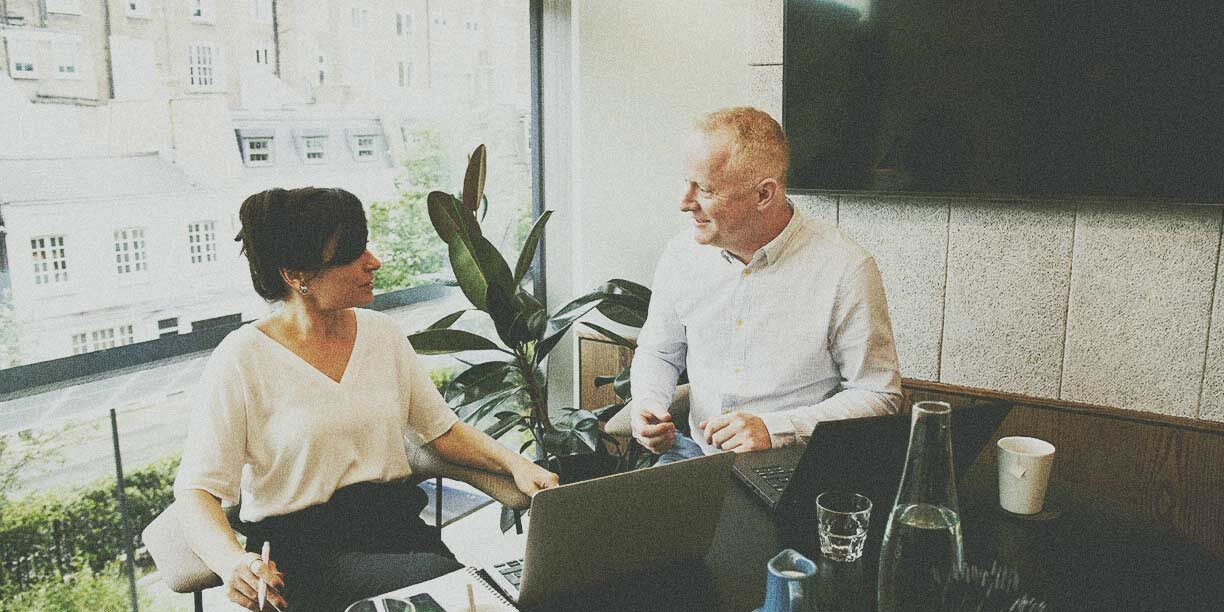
1041, 98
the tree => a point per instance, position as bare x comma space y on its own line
411, 253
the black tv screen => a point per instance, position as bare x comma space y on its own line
1059, 98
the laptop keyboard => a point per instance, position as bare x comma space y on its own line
776, 475
512, 571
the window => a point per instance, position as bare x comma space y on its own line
65, 56
263, 11
201, 66
262, 56
21, 58
202, 241
201, 10
167, 327
130, 255
361, 17
403, 24
98, 339
257, 151
365, 147
137, 8
315, 147
404, 75
64, 7
471, 26
50, 260
116, 321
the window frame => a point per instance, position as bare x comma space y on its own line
268, 150
53, 273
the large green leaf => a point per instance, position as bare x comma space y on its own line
448, 320
439, 205
613, 336
478, 267
478, 381
624, 309
474, 179
508, 316
507, 422
630, 288
441, 341
575, 433
527, 254
487, 405
536, 314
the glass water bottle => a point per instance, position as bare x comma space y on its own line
922, 541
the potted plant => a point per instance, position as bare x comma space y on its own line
513, 387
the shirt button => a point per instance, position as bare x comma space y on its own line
739, 322
747, 272
738, 370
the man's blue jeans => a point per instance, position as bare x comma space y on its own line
684, 448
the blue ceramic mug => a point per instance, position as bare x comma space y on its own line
787, 583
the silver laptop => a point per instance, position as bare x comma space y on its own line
587, 533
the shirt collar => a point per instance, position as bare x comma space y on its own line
774, 249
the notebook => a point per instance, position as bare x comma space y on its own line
449, 593
588, 533
864, 455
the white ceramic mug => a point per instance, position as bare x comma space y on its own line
1024, 472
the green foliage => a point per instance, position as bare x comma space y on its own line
512, 389
51, 535
442, 377
84, 589
401, 230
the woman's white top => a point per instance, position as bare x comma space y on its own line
270, 428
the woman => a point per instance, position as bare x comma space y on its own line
302, 416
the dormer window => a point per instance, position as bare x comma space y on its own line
256, 147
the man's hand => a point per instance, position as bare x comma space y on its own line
736, 431
654, 431
531, 478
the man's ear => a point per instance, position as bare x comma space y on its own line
768, 193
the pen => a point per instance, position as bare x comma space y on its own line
263, 586
471, 599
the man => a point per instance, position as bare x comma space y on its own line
780, 319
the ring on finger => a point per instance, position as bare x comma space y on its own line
251, 564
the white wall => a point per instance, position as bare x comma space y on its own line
641, 71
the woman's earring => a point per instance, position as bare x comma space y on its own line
303, 289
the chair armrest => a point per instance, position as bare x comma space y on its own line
619, 426
427, 463
180, 568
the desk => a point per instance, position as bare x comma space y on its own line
1097, 555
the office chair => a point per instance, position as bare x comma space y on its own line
184, 572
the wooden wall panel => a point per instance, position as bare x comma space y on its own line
598, 357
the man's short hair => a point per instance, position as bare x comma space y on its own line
759, 148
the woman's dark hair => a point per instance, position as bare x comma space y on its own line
289, 228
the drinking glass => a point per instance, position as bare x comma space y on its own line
842, 519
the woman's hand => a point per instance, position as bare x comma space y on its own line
242, 587
531, 478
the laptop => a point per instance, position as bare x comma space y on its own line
588, 533
864, 455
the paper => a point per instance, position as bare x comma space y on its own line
451, 592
